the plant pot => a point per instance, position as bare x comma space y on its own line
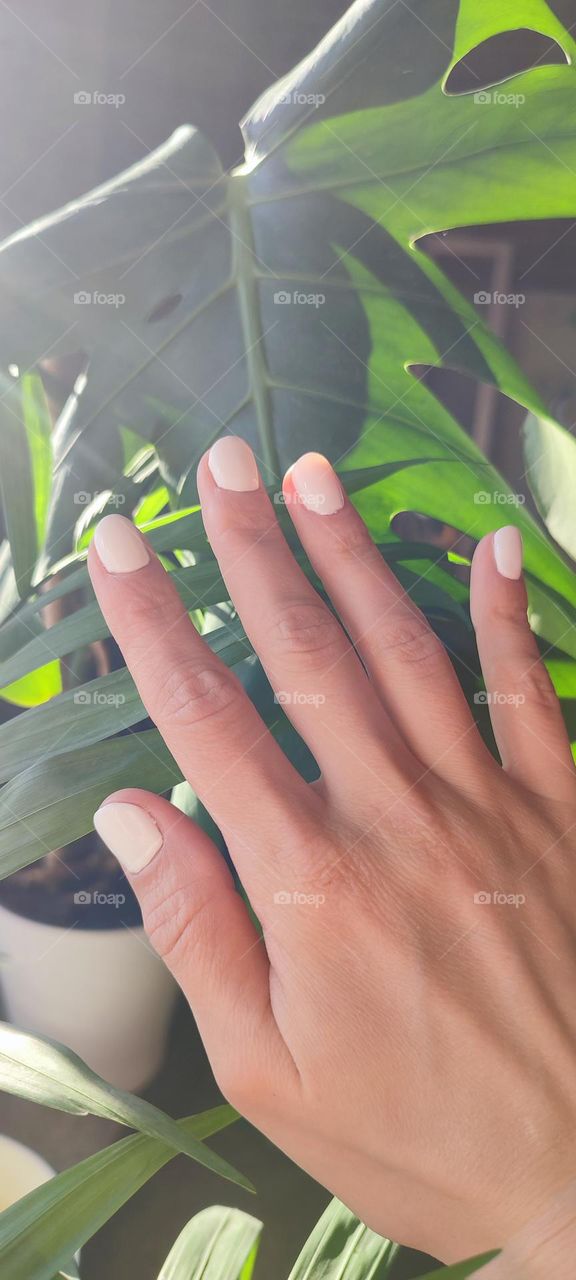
21, 1171
102, 992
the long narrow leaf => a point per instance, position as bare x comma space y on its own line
550, 456
217, 1244
45, 1072
342, 1248
98, 710
25, 469
41, 1232
53, 802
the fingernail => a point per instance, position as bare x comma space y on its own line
119, 545
317, 484
130, 834
508, 551
233, 465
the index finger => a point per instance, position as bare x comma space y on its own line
208, 723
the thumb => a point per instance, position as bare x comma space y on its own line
201, 928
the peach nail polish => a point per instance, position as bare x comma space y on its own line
317, 484
120, 546
508, 552
233, 465
130, 834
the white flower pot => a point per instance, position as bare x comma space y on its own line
21, 1171
103, 993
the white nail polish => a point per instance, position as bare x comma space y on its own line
130, 833
119, 545
508, 553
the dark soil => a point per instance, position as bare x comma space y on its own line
81, 886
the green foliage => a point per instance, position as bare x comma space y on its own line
222, 1244
341, 1246
42, 1231
550, 455
25, 472
46, 1072
217, 1244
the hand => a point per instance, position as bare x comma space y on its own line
405, 1031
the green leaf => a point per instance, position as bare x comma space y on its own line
25, 471
342, 1248
56, 799
92, 712
550, 457
350, 158
45, 1072
32, 690
217, 1244
38, 424
42, 1231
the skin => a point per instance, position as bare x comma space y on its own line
412, 1048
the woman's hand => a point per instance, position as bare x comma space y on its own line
406, 1029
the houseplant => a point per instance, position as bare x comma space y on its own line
70, 924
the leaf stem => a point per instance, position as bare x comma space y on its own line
244, 258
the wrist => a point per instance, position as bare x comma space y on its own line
545, 1249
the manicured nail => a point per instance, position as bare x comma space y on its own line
317, 484
233, 465
119, 545
130, 834
508, 551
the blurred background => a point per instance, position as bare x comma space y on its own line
205, 64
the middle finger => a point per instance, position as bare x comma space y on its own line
310, 661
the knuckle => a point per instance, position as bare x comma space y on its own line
314, 857
180, 925
537, 689
306, 631
149, 611
354, 542
409, 641
194, 691
508, 611
249, 535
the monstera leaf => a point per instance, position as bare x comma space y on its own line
289, 302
